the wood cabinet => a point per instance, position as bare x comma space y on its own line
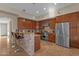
26, 24
21, 23
52, 23
75, 34
40, 24
37, 41
37, 25
51, 37
33, 24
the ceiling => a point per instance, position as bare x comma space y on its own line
35, 10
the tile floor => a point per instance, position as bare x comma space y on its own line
6, 50
51, 49
47, 49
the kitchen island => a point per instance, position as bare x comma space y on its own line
31, 43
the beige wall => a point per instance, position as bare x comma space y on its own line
12, 19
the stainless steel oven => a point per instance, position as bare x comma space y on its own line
44, 35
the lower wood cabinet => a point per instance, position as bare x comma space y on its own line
51, 37
37, 41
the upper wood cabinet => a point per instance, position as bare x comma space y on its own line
37, 25
26, 24
33, 24
21, 23
52, 23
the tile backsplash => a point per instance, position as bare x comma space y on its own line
30, 30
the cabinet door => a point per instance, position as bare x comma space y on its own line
52, 23
75, 38
21, 23
59, 19
37, 25
37, 43
33, 25
51, 37
73, 34
28, 24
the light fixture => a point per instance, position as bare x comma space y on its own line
33, 3
24, 10
59, 12
44, 8
37, 11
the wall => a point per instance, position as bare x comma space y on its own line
11, 20
3, 27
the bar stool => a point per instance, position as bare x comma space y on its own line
18, 38
13, 43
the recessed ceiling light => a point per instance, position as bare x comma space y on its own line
37, 11
24, 10
44, 8
33, 3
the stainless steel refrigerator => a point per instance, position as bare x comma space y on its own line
62, 34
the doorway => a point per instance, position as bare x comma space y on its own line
4, 40
3, 35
